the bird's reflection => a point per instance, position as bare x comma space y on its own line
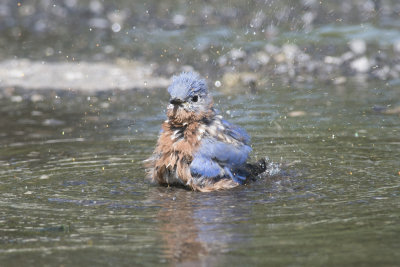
178, 227
195, 227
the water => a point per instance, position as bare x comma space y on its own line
72, 184
42, 30
73, 189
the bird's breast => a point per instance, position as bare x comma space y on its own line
187, 139
177, 146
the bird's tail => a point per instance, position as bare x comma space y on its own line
263, 167
255, 169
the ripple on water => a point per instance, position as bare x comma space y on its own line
338, 187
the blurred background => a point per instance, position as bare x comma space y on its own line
82, 95
299, 40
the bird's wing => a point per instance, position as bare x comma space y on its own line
219, 155
236, 132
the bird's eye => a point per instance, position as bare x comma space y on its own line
195, 98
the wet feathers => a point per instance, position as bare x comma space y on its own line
197, 148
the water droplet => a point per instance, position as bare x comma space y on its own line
116, 27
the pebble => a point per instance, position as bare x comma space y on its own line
263, 58
361, 64
37, 98
271, 49
104, 105
279, 58
290, 51
291, 63
358, 46
332, 60
16, 98
347, 56
382, 73
237, 54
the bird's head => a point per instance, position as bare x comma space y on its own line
189, 98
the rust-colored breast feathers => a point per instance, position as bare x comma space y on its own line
175, 148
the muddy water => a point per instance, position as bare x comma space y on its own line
73, 190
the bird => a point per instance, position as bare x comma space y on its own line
197, 148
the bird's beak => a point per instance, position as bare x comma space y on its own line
176, 101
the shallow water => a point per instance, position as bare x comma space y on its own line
73, 190
72, 183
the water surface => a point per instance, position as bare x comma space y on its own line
73, 188
72, 184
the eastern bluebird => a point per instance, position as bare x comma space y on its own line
197, 148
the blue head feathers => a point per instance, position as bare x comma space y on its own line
187, 85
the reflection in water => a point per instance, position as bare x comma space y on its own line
75, 193
195, 227
178, 228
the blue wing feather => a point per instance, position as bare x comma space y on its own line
204, 166
237, 132
218, 159
224, 152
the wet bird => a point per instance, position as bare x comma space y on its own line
197, 148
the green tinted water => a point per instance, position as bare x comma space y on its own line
72, 184
73, 190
